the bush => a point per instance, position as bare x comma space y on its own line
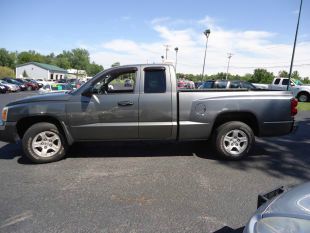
6, 72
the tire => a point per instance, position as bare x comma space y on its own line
233, 140
303, 97
43, 143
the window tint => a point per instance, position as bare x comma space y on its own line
220, 84
208, 84
154, 81
235, 84
277, 81
248, 85
284, 81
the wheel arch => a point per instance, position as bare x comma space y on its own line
245, 117
25, 123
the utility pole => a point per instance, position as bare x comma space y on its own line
293, 54
229, 57
167, 49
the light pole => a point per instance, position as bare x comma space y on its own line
207, 33
176, 49
167, 49
162, 59
293, 54
229, 56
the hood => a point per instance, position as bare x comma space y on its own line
294, 203
42, 98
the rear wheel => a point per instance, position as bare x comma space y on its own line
43, 143
233, 140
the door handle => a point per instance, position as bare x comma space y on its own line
125, 103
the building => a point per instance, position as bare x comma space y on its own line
36, 70
74, 73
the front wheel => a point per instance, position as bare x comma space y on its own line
233, 140
43, 143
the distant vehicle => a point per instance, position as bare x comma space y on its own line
300, 91
3, 89
283, 211
226, 84
55, 88
34, 81
21, 85
29, 85
128, 83
10, 86
185, 84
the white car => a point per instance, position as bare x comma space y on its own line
55, 88
12, 87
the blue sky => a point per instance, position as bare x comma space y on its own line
52, 26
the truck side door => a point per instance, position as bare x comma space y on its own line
155, 103
111, 111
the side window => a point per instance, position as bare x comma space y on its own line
208, 84
284, 81
114, 83
277, 81
124, 83
154, 81
220, 84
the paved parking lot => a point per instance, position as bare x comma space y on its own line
145, 187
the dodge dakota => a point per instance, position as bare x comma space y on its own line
152, 108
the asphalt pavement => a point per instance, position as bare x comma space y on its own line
145, 186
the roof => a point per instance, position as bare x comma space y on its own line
45, 66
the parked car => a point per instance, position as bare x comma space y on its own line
35, 82
10, 86
30, 86
226, 84
3, 89
153, 109
300, 91
282, 211
55, 88
21, 85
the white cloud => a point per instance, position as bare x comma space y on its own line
251, 48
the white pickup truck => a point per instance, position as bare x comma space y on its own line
300, 91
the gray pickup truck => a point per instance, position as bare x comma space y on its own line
151, 108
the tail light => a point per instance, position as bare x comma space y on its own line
294, 104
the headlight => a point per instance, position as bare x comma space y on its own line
5, 113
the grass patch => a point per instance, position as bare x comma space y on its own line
302, 106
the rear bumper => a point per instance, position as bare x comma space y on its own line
270, 129
8, 132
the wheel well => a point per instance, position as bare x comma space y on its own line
303, 92
245, 117
24, 124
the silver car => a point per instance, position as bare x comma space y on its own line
286, 211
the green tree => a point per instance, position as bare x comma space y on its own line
62, 61
116, 64
29, 56
79, 58
296, 75
283, 74
93, 69
7, 58
6, 72
261, 76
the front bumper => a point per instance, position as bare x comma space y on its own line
8, 132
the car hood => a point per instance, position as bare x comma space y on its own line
293, 203
42, 98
